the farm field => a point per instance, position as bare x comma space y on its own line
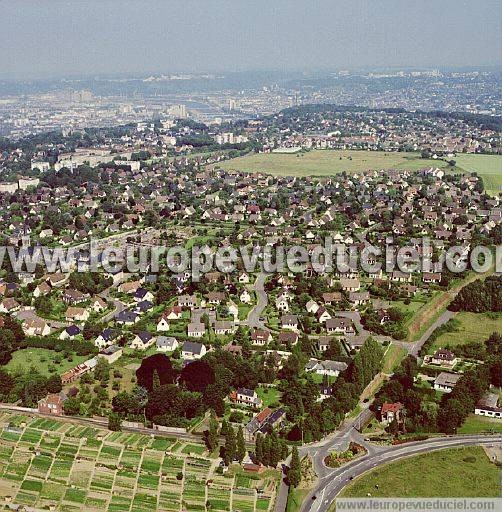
328, 162
459, 472
489, 167
472, 327
49, 463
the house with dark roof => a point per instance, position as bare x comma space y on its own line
193, 350
70, 332
142, 340
127, 317
106, 338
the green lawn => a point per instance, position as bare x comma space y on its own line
295, 499
489, 167
473, 327
327, 162
270, 396
463, 472
42, 359
476, 424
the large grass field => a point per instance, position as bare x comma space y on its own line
489, 167
472, 327
42, 359
52, 463
460, 472
328, 162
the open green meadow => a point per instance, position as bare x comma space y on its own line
489, 167
458, 472
46, 463
472, 327
328, 162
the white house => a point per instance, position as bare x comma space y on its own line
36, 327
142, 341
193, 350
312, 306
446, 381
166, 344
245, 297
196, 329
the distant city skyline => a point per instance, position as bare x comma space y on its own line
43, 39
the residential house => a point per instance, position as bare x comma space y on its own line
444, 357
163, 323
36, 327
391, 412
288, 338
488, 406
244, 396
224, 327
106, 338
350, 285
187, 301
74, 297
127, 317
245, 297
166, 344
322, 315
9, 305
329, 368
52, 404
70, 332
312, 306
41, 289
74, 314
260, 337
340, 325
323, 343
289, 322
196, 329
111, 353
193, 350
98, 305
446, 381
142, 341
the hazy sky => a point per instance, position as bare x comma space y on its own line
54, 37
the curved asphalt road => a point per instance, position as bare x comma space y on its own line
330, 485
253, 319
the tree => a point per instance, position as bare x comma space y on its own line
71, 406
114, 422
54, 384
258, 450
295, 470
155, 380
159, 363
212, 433
230, 446
241, 445
197, 376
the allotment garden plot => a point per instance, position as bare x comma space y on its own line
49, 463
